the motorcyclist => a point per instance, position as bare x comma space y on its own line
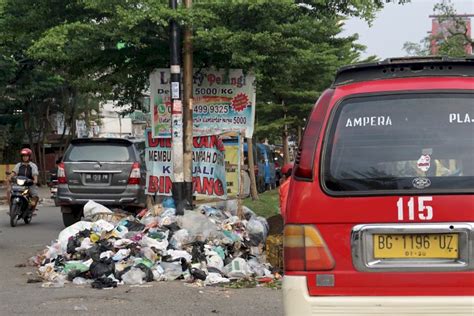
28, 169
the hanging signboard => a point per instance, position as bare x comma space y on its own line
223, 101
232, 162
208, 166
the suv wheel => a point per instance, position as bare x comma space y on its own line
70, 215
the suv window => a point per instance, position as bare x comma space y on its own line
401, 142
99, 152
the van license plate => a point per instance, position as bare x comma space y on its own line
429, 246
97, 178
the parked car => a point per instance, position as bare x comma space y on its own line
268, 161
110, 171
380, 212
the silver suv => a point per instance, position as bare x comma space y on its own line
110, 171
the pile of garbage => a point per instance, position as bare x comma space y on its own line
209, 245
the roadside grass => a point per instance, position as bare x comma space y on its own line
267, 205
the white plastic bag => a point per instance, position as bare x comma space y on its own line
91, 208
237, 269
134, 276
70, 231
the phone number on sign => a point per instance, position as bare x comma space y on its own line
212, 109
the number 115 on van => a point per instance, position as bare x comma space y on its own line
406, 208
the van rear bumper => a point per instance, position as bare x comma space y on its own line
297, 301
129, 197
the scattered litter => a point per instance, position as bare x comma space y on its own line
80, 308
34, 280
207, 246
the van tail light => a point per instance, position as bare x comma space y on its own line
135, 174
61, 174
305, 249
305, 157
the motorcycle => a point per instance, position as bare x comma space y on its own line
20, 200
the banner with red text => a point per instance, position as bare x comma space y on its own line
223, 101
208, 166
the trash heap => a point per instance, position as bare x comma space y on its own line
208, 245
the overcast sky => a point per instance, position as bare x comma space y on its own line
397, 24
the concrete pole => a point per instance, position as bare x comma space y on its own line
176, 115
188, 111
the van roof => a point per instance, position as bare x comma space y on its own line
406, 67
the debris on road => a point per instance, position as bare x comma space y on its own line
207, 246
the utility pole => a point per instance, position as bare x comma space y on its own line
188, 111
176, 115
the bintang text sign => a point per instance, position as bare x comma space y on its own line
208, 166
223, 100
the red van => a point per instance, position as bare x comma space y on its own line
380, 213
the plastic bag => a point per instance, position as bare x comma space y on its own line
215, 261
257, 229
215, 278
198, 274
158, 273
179, 238
168, 212
176, 254
70, 231
148, 253
258, 268
134, 276
172, 270
103, 282
153, 243
168, 202
91, 208
198, 226
211, 211
75, 265
121, 254
80, 281
103, 267
237, 269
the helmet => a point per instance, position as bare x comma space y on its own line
26, 152
286, 170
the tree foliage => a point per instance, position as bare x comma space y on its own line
55, 53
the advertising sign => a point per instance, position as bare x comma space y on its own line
232, 159
208, 166
223, 101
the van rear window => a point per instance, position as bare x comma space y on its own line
402, 142
99, 152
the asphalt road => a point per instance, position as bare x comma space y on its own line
157, 298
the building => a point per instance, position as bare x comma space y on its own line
441, 29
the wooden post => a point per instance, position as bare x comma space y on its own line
253, 182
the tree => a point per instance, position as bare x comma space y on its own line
293, 47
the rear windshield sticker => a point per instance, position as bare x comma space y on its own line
363, 121
460, 118
424, 163
421, 183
